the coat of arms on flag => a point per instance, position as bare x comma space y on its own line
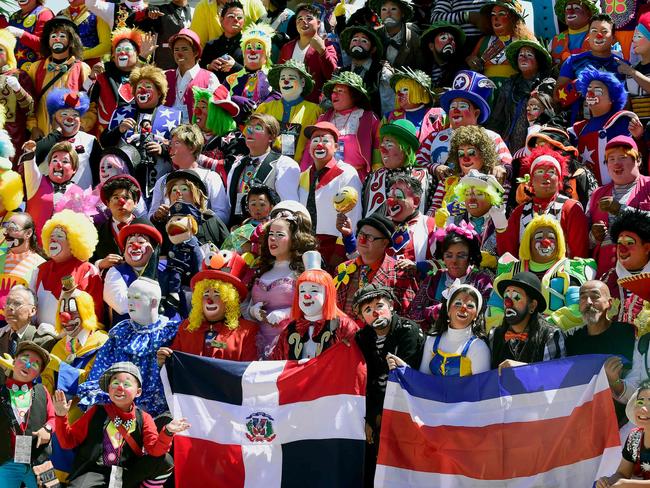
269, 423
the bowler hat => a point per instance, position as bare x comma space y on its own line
32, 346
372, 292
530, 283
380, 222
119, 367
189, 175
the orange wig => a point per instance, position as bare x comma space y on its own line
320, 277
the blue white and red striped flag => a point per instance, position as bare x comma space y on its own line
269, 424
542, 425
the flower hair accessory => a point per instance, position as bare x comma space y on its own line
78, 200
457, 286
464, 229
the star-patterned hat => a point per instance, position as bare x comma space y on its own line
471, 86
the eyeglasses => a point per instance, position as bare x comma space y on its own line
14, 306
369, 237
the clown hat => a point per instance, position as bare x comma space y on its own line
61, 98
513, 6
406, 6
227, 266
274, 75
312, 260
102, 193
347, 78
139, 225
420, 77
471, 86
430, 34
259, 32
481, 181
530, 283
639, 284
560, 7
221, 98
55, 22
348, 34
323, 125
403, 130
189, 35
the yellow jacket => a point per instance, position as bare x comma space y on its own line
206, 21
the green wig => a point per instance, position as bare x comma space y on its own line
219, 121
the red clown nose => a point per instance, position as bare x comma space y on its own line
508, 302
65, 317
122, 201
546, 242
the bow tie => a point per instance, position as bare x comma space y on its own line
54, 67
396, 44
523, 336
60, 187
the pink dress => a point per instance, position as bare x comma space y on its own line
276, 295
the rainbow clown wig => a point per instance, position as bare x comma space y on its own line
81, 233
320, 277
228, 294
62, 98
615, 87
86, 309
262, 33
543, 220
153, 74
8, 42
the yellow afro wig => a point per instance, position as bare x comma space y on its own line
228, 294
82, 234
153, 74
86, 308
8, 42
533, 225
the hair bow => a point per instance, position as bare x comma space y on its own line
464, 229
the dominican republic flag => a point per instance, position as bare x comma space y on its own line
548, 424
269, 424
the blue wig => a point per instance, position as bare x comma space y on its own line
60, 98
615, 87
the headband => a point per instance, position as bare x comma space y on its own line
457, 286
545, 158
643, 30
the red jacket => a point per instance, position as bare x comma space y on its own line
234, 345
320, 66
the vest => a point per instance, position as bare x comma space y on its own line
325, 339
201, 80
25, 56
532, 352
37, 419
90, 451
448, 364
264, 171
107, 103
554, 210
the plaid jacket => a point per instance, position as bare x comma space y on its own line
403, 283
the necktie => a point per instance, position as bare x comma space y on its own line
364, 271
53, 67
121, 225
13, 344
311, 198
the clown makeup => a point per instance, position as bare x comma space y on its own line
526, 61
15, 234
181, 192
631, 251
640, 43
214, 309
146, 94
110, 165
533, 110
143, 298
461, 113
576, 15
69, 316
445, 44
377, 313
391, 153
58, 247
137, 250
27, 5
58, 41
594, 95
342, 98
462, 310
543, 245
403, 98
400, 202
258, 139
477, 202
501, 21
622, 167
60, 167
371, 244
69, 120
456, 259
360, 46
545, 181
121, 205
322, 146
125, 55
600, 36
311, 299
391, 15
515, 305
259, 206
469, 158
279, 240
254, 55
123, 389
291, 84
27, 366
233, 21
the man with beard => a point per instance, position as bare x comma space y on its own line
22, 257
402, 39
601, 335
366, 51
27, 26
61, 68
524, 336
445, 41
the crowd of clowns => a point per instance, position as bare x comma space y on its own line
444, 184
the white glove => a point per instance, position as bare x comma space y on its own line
255, 311
15, 31
276, 317
13, 83
498, 215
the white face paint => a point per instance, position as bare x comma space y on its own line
57, 239
311, 299
143, 299
291, 84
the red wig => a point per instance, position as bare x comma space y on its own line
330, 310
563, 162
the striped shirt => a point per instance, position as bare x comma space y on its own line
457, 12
